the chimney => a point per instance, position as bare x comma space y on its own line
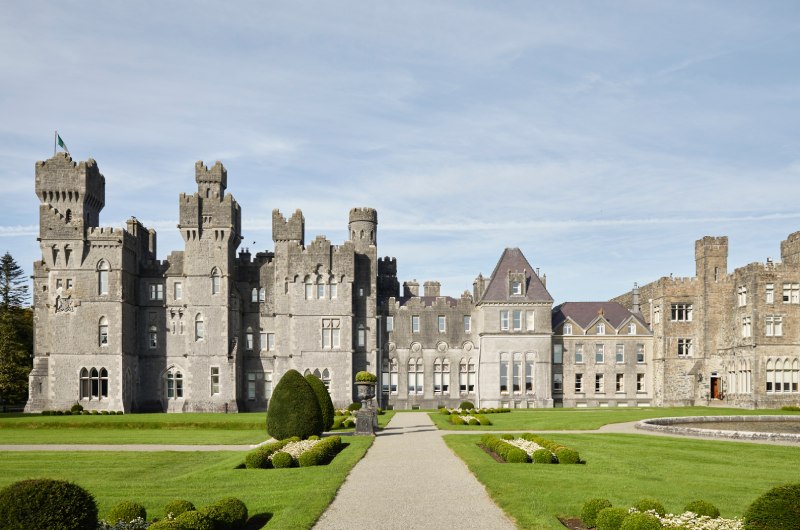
635, 306
410, 288
432, 288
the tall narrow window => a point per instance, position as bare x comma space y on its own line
248, 339
414, 323
632, 328
437, 376
177, 289
504, 377
516, 288
103, 383
515, 375
254, 297
361, 336
262, 295
598, 384
152, 337
599, 354
385, 375
103, 331
640, 353
215, 285
558, 383
178, 385
472, 376
640, 385
309, 289
530, 321
326, 378
393, 375
621, 383
741, 295
620, 355
415, 376
516, 318
320, 289
215, 380
504, 320
102, 277
558, 353
84, 378
441, 321
251, 385
333, 290
94, 376
270, 342
467, 324
578, 383
462, 376
390, 323
199, 328
267, 385
747, 328
578, 353
770, 293
529, 376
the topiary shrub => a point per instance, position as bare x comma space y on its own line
640, 521
506, 436
324, 400
702, 508
166, 524
77, 407
46, 503
352, 407
126, 511
777, 509
590, 510
542, 456
466, 405
85, 412
348, 423
650, 504
474, 421
282, 459
194, 520
567, 456
229, 513
322, 453
294, 409
455, 419
366, 377
177, 507
610, 518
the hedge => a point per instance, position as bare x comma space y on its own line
509, 453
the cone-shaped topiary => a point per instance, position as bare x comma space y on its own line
324, 398
46, 503
294, 409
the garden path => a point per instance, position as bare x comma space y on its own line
409, 478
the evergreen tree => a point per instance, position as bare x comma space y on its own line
293, 409
16, 332
324, 398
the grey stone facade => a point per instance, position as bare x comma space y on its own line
213, 328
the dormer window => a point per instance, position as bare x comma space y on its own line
601, 329
567, 329
516, 287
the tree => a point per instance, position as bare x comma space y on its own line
293, 408
324, 398
16, 332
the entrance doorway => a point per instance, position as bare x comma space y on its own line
715, 388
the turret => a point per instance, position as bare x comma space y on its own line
711, 258
211, 182
71, 196
291, 230
363, 227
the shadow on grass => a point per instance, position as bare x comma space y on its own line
258, 521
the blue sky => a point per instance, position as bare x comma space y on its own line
602, 138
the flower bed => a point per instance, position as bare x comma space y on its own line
447, 410
294, 452
469, 419
529, 448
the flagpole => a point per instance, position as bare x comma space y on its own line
55, 135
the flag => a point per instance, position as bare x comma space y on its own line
61, 143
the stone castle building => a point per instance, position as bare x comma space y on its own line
210, 329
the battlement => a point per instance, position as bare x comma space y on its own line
387, 266
211, 182
291, 230
790, 248
713, 244
364, 214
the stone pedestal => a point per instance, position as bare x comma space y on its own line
366, 421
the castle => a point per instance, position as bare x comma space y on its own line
208, 329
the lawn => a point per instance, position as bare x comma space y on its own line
288, 498
586, 419
625, 468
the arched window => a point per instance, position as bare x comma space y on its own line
393, 375
462, 376
102, 277
248, 339
262, 295
174, 384
306, 372
254, 295
529, 375
333, 289
94, 379
152, 336
199, 328
309, 288
415, 376
84, 378
795, 375
473, 376
326, 379
770, 379
320, 288
317, 374
215, 286
441, 376
102, 331
103, 382
361, 336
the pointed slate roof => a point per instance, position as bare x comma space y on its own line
583, 313
512, 260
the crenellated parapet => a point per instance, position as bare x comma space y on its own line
211, 183
790, 249
291, 230
387, 266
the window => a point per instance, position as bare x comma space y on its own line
215, 282
393, 376
599, 353
309, 290
620, 355
93, 383
657, 315
330, 333
558, 354
504, 320
462, 376
516, 288
621, 383
791, 293
472, 375
442, 322
177, 290
415, 376
529, 377
333, 290
558, 382
69, 283
578, 383
84, 384
326, 379
579, 353
59, 283
152, 337
632, 328
467, 324
530, 321
262, 295
640, 353
516, 367
254, 297
601, 328
156, 291
248, 340
747, 328
199, 329
267, 385
385, 375
361, 336
640, 383
414, 323
741, 295
774, 326
598, 384
102, 277
320, 289
267, 341
215, 382
174, 384
390, 323
681, 312
516, 317
251, 385
441, 376
504, 377
567, 329
684, 347
770, 290
102, 329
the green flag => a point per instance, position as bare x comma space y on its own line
61, 143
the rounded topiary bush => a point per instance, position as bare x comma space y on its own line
640, 521
294, 409
542, 456
567, 456
177, 507
777, 509
77, 407
46, 503
324, 399
126, 511
166, 524
507, 436
281, 459
702, 508
474, 421
229, 513
348, 424
611, 518
650, 504
466, 405
194, 520
590, 510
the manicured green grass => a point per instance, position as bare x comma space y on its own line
625, 468
294, 498
586, 419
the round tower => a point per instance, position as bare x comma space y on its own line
363, 227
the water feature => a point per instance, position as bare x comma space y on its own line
774, 428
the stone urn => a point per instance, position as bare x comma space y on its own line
365, 390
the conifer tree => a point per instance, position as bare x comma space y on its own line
16, 332
13, 289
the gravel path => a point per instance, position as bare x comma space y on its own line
410, 479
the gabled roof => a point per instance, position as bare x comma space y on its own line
513, 261
584, 313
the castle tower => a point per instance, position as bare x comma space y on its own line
211, 182
363, 227
711, 258
363, 230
